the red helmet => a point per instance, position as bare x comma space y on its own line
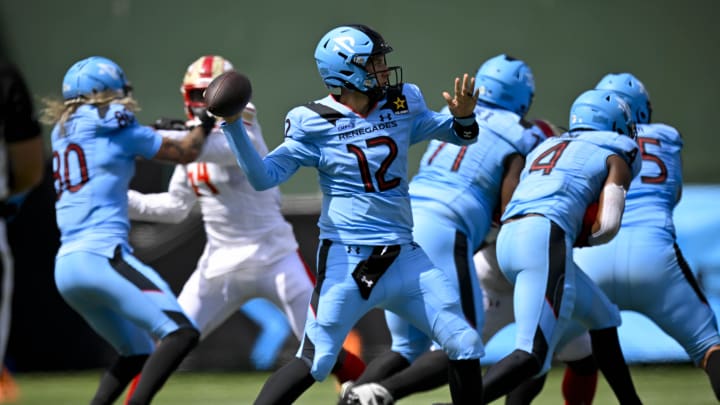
199, 74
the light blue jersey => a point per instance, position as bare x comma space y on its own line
367, 257
93, 162
643, 261
124, 301
561, 177
454, 195
466, 180
362, 162
654, 193
565, 175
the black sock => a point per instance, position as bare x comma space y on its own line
609, 358
465, 379
117, 377
168, 355
712, 368
584, 366
512, 370
286, 384
428, 372
382, 366
524, 393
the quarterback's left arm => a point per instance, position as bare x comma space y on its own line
611, 203
459, 126
462, 106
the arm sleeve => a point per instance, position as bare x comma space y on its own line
275, 168
612, 205
172, 206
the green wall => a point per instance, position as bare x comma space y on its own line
671, 45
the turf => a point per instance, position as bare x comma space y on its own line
657, 384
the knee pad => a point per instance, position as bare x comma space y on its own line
464, 345
412, 349
322, 366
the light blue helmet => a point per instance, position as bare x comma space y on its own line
341, 56
601, 110
632, 91
507, 83
93, 75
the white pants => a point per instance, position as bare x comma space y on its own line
211, 301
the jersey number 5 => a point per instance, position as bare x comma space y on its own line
365, 174
662, 176
75, 156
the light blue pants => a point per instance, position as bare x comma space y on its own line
412, 287
125, 301
643, 270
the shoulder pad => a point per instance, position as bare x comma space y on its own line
661, 131
621, 145
113, 117
249, 113
327, 113
309, 119
507, 125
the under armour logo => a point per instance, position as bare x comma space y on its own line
387, 116
350, 249
366, 281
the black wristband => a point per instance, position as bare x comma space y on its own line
466, 132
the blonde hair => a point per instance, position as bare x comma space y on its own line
59, 111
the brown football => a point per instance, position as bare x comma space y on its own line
228, 94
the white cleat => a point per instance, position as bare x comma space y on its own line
369, 394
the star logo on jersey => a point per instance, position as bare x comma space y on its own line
396, 102
399, 105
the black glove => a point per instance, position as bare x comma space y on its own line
170, 124
207, 122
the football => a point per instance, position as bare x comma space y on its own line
228, 94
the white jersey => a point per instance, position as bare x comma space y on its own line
245, 228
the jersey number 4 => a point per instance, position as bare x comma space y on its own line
548, 159
63, 174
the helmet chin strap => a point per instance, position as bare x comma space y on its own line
375, 94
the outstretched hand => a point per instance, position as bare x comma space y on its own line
462, 103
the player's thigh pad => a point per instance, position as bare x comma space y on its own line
338, 307
407, 340
426, 298
533, 253
130, 290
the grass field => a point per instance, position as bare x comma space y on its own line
657, 384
